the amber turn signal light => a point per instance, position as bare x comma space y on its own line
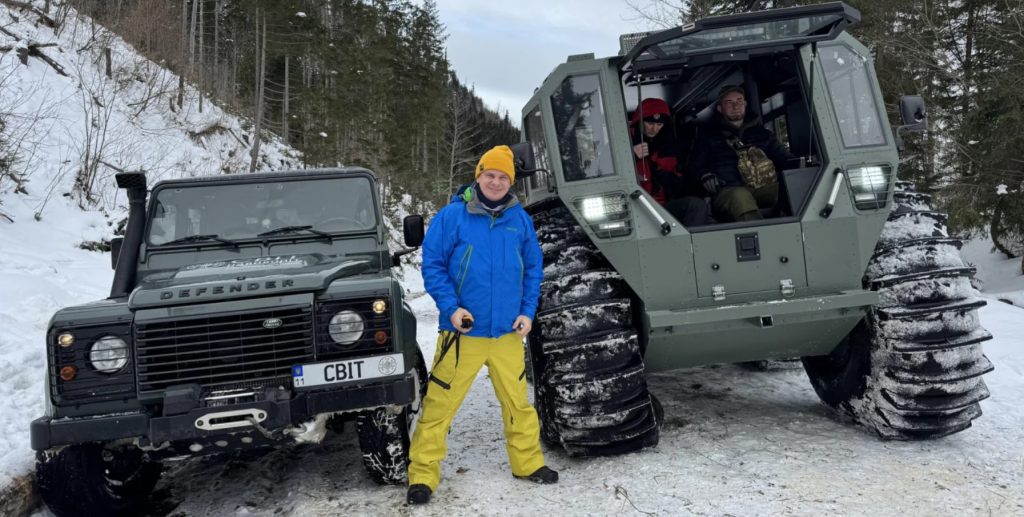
380, 337
68, 373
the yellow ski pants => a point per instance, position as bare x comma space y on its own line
453, 373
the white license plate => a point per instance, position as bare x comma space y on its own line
347, 370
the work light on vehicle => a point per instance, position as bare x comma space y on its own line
607, 215
870, 186
346, 327
109, 354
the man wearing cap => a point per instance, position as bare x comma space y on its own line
657, 164
738, 160
482, 265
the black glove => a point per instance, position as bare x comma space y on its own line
711, 182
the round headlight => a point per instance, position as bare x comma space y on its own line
346, 327
109, 354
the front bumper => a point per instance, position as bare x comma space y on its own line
48, 432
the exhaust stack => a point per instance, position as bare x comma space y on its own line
124, 275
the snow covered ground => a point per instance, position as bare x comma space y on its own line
734, 441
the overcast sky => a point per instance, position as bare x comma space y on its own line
506, 49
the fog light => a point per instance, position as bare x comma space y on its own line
68, 373
380, 337
66, 340
379, 306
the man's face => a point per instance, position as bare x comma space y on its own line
651, 129
733, 106
494, 184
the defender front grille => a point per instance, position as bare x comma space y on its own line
221, 350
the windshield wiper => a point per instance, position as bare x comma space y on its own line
293, 229
198, 238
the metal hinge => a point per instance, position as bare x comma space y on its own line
718, 292
787, 288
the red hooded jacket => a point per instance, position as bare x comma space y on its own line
662, 157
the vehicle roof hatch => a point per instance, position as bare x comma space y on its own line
744, 31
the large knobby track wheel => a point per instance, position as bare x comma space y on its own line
91, 479
589, 385
384, 434
913, 368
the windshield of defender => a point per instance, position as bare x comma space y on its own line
240, 211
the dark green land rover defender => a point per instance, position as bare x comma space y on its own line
246, 311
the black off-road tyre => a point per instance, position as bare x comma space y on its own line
384, 435
590, 389
89, 480
912, 369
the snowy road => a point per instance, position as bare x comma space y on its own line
735, 442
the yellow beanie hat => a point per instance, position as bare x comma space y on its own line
499, 158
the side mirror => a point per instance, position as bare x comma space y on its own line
115, 250
913, 114
412, 227
522, 155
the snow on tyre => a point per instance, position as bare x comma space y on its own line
579, 319
913, 368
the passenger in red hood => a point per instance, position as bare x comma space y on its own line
658, 167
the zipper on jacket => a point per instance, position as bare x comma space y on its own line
464, 267
522, 268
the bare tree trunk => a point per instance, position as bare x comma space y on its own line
216, 43
995, 229
202, 61
106, 55
261, 69
284, 109
184, 36
192, 41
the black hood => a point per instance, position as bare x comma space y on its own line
245, 278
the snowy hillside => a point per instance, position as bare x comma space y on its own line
63, 125
71, 122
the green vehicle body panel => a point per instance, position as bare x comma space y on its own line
673, 275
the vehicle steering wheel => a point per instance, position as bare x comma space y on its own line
339, 219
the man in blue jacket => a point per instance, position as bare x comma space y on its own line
482, 265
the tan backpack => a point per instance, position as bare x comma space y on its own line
754, 166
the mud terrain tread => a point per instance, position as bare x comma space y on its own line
605, 351
575, 258
73, 482
583, 286
912, 370
937, 403
384, 436
572, 321
946, 342
590, 392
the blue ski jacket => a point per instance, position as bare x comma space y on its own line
490, 266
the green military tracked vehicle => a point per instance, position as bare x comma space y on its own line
852, 270
245, 312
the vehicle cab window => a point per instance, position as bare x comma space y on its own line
578, 111
852, 96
